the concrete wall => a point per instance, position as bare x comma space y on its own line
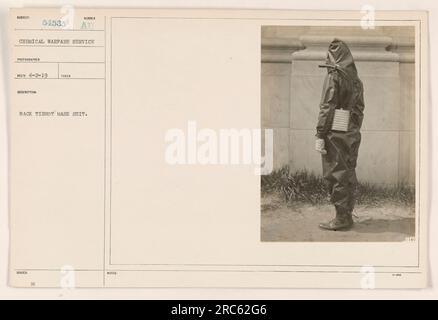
291, 89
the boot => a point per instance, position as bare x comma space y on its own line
343, 221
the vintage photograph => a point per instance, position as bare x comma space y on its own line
164, 148
341, 104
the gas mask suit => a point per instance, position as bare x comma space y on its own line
339, 149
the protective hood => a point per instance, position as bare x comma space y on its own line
342, 89
339, 56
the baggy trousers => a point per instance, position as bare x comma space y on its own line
339, 167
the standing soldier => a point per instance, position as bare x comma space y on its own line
338, 131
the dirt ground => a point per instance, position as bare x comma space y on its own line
299, 222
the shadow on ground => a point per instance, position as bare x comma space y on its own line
385, 222
404, 226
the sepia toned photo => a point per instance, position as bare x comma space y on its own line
341, 104
163, 148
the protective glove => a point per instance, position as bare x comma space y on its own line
320, 146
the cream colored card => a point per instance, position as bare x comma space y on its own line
136, 154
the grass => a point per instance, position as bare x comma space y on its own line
303, 186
